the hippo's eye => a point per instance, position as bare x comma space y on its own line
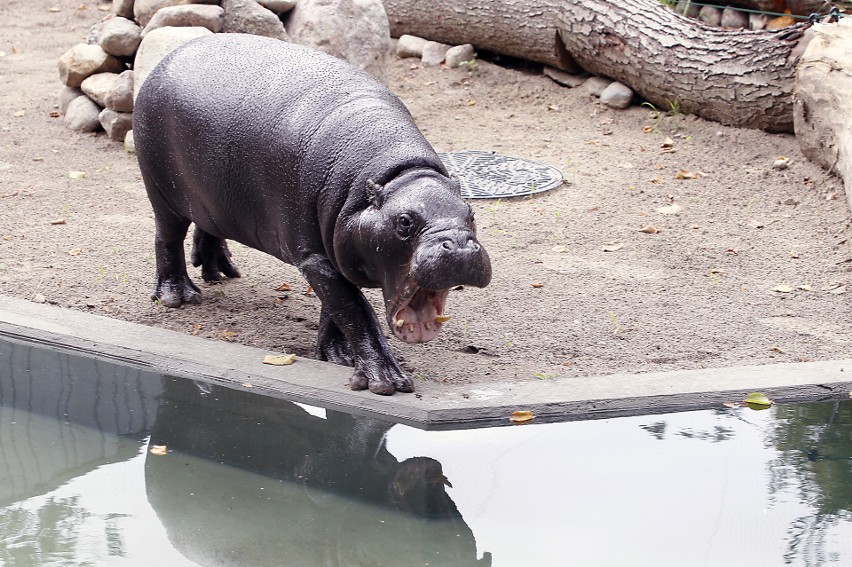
404, 224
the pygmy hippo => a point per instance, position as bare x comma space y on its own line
300, 155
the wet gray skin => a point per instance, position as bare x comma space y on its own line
300, 155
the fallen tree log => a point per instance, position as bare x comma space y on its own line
736, 77
823, 107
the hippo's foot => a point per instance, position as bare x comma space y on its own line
332, 344
381, 377
213, 255
175, 290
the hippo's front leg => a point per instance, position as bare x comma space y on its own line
352, 314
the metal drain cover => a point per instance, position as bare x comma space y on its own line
486, 175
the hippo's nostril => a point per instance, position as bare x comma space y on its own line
447, 245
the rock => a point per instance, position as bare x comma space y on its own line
733, 19
66, 95
156, 45
123, 8
97, 87
129, 143
687, 8
144, 10
565, 79
82, 115
120, 37
757, 21
189, 15
410, 46
247, 16
356, 31
433, 53
84, 60
710, 15
278, 6
596, 85
459, 54
116, 124
617, 95
94, 35
120, 98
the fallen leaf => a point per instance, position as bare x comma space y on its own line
672, 209
283, 287
613, 247
776, 349
54, 114
39, 298
655, 181
838, 290
75, 252
470, 102
732, 405
158, 450
794, 255
649, 229
521, 416
754, 223
76, 174
279, 360
559, 248
667, 143
20, 113
309, 291
230, 335
804, 287
537, 284
247, 385
732, 251
757, 401
647, 129
54, 9
552, 107
783, 289
195, 329
57, 221
686, 174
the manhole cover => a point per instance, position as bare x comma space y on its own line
486, 175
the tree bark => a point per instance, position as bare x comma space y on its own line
736, 77
823, 107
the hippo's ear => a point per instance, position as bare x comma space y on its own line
455, 183
374, 193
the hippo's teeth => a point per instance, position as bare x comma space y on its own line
411, 328
428, 325
399, 323
442, 318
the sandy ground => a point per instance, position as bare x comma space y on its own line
755, 268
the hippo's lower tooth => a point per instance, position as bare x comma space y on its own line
411, 328
428, 325
442, 318
399, 323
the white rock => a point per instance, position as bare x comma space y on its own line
278, 6
116, 124
144, 10
123, 8
82, 115
733, 19
565, 79
156, 45
410, 46
757, 21
356, 31
433, 53
129, 143
617, 95
688, 8
596, 85
84, 60
459, 54
710, 15
66, 95
120, 37
97, 87
190, 15
120, 98
247, 16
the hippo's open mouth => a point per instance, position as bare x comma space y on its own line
419, 315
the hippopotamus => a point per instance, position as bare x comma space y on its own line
300, 155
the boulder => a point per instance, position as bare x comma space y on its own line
156, 45
617, 95
732, 18
144, 10
459, 54
710, 15
410, 46
123, 8
186, 16
97, 87
82, 115
356, 31
120, 37
247, 16
278, 6
433, 53
120, 98
596, 85
565, 79
129, 143
116, 124
84, 60
66, 95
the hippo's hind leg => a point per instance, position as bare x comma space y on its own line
212, 254
173, 286
332, 344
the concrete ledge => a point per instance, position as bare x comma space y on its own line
434, 406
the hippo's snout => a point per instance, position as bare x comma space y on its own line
451, 259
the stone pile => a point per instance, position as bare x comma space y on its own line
102, 76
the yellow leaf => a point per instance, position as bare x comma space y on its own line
537, 284
758, 400
158, 450
279, 360
783, 289
613, 247
283, 287
686, 174
230, 335
247, 385
559, 248
649, 229
75, 252
20, 113
57, 221
77, 174
521, 416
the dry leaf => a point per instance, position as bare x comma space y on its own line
838, 290
75, 252
279, 360
804, 287
230, 335
521, 416
470, 102
158, 450
20, 113
686, 174
794, 255
76, 174
283, 287
656, 181
754, 223
776, 349
648, 129
195, 329
783, 289
246, 385
649, 229
54, 9
613, 247
732, 405
667, 143
559, 248
309, 291
57, 221
537, 284
673, 209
